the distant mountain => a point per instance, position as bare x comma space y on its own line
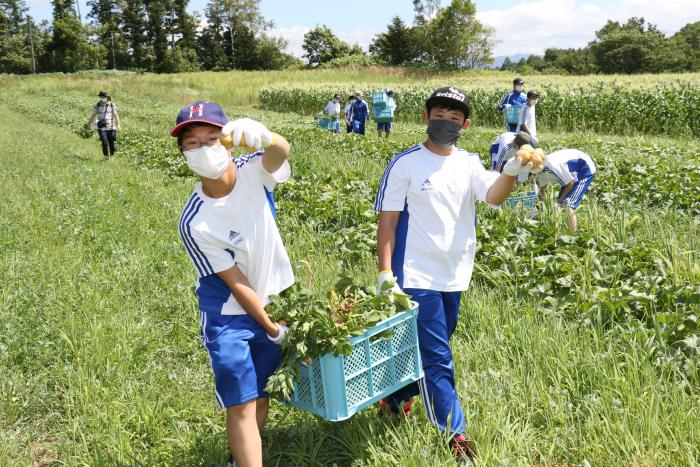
498, 61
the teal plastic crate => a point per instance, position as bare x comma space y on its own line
527, 200
329, 124
513, 114
383, 115
379, 100
336, 388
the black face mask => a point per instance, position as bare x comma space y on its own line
444, 133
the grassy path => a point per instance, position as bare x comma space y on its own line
100, 359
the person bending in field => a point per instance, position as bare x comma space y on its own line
426, 238
228, 229
505, 145
574, 171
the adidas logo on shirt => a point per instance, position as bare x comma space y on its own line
235, 237
426, 186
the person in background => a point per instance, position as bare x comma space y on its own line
360, 114
105, 111
384, 128
517, 97
426, 239
332, 110
574, 171
504, 147
347, 113
528, 122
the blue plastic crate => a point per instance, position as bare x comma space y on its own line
527, 200
513, 114
380, 99
335, 388
383, 115
329, 124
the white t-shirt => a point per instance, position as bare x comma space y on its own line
332, 108
565, 166
527, 116
505, 149
238, 229
436, 234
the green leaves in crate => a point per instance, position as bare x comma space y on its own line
323, 324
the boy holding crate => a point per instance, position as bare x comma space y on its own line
517, 99
233, 242
426, 238
384, 128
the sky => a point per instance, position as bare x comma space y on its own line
527, 27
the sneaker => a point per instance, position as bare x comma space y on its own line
462, 449
389, 409
231, 462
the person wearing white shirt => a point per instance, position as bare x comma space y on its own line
574, 171
229, 232
528, 122
332, 110
426, 238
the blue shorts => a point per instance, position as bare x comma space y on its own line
493, 152
242, 357
579, 189
384, 126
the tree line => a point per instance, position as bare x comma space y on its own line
162, 36
631, 47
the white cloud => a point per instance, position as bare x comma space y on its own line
532, 27
295, 37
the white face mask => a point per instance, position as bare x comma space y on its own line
209, 162
534, 101
103, 99
519, 88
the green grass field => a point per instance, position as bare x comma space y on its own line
100, 357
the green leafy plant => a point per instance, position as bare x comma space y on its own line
323, 324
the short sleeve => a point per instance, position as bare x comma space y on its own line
481, 180
523, 116
253, 163
114, 107
208, 258
561, 173
393, 188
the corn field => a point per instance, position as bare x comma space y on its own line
671, 109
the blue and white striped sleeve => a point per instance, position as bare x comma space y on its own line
562, 174
206, 257
393, 188
502, 153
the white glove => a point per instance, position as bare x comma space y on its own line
387, 276
514, 168
280, 337
247, 132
